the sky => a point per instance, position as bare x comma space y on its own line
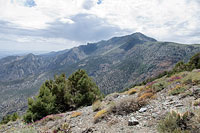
52, 25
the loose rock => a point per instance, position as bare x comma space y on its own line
142, 110
133, 121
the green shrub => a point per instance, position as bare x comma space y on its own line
177, 90
187, 82
159, 86
82, 89
179, 67
194, 62
41, 106
174, 123
8, 118
61, 94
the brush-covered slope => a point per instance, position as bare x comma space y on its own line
119, 68
142, 109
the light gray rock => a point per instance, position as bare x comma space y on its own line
154, 115
133, 121
143, 110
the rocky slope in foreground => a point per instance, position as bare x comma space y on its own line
125, 113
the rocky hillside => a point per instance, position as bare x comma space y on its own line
114, 65
142, 109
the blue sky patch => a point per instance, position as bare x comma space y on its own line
99, 2
30, 3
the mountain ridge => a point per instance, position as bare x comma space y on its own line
113, 64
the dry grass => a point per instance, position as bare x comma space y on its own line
197, 102
132, 91
190, 77
99, 115
176, 122
146, 95
197, 116
174, 78
96, 106
104, 112
62, 128
122, 107
25, 130
177, 89
75, 114
141, 89
65, 127
127, 106
48, 118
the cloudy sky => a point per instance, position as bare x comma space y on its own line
51, 25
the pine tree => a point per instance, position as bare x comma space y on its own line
42, 105
9, 117
195, 61
83, 90
61, 94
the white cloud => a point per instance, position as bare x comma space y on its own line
39, 16
165, 20
139, 15
66, 20
23, 17
158, 18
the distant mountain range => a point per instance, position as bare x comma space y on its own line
114, 65
5, 53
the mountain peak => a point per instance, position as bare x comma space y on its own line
140, 36
138, 33
29, 55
